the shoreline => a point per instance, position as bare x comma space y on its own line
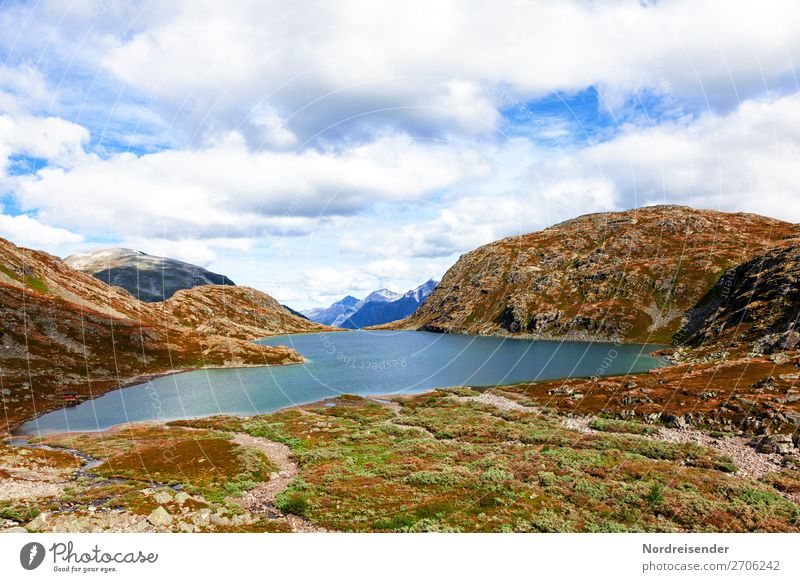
144, 378
483, 388
131, 382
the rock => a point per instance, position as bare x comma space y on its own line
160, 516
186, 527
780, 358
182, 498
774, 443
162, 497
38, 523
15, 529
530, 284
674, 421
652, 418
203, 517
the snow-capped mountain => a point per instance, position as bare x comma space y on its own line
335, 314
381, 306
378, 312
381, 296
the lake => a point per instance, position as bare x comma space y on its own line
358, 362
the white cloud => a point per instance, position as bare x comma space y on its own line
425, 65
21, 88
27, 231
228, 190
745, 160
53, 139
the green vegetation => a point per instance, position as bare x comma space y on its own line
19, 511
28, 280
620, 426
442, 463
205, 463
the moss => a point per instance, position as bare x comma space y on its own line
21, 512
619, 426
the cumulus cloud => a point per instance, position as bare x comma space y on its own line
52, 139
426, 65
28, 231
227, 190
386, 131
745, 160
290, 74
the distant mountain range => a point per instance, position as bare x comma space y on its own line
378, 307
146, 277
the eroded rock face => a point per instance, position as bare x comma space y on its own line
144, 276
622, 275
754, 306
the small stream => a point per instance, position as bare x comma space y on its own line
85, 471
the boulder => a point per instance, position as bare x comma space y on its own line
160, 517
674, 421
38, 523
773, 443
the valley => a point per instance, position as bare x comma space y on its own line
704, 437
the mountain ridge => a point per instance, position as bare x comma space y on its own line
373, 313
67, 332
628, 276
149, 278
377, 308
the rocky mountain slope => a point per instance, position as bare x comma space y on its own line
753, 308
66, 333
144, 276
623, 275
241, 312
380, 312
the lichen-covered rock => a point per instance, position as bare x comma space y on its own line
160, 517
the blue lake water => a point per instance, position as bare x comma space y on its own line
359, 362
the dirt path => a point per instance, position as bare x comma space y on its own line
751, 463
498, 401
261, 499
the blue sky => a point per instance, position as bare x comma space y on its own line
314, 150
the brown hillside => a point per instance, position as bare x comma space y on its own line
65, 332
623, 275
240, 312
754, 307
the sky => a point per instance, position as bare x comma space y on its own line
318, 149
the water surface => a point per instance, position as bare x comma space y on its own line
358, 362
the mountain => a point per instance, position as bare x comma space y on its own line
65, 331
294, 312
380, 312
381, 296
240, 312
336, 313
144, 276
754, 307
619, 275
381, 306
